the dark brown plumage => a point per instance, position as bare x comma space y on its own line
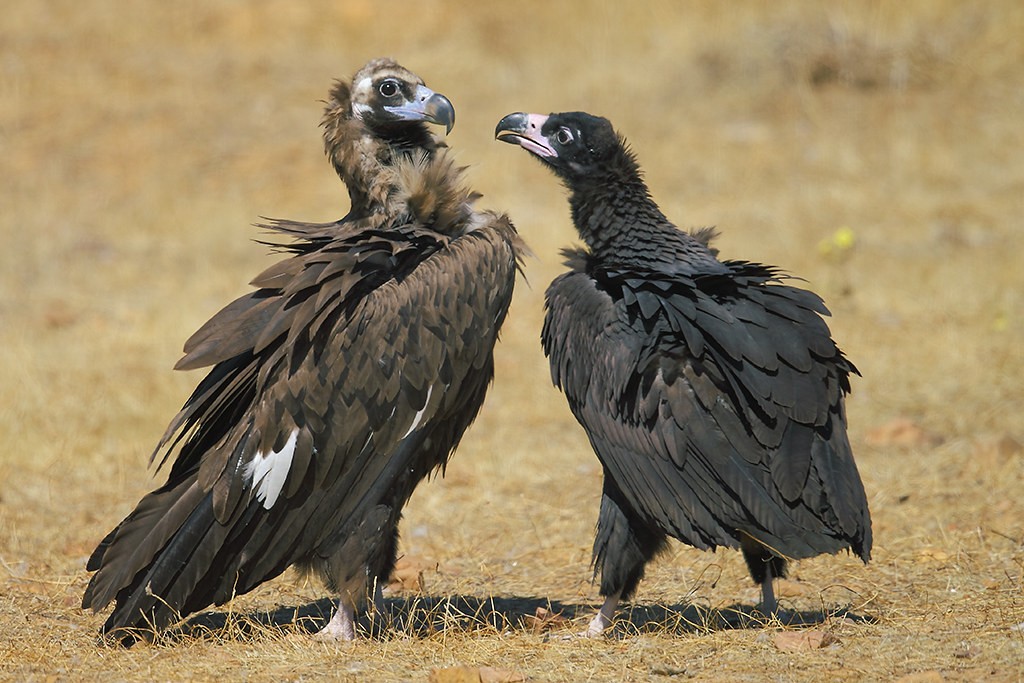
348, 376
711, 392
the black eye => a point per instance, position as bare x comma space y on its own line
563, 136
388, 88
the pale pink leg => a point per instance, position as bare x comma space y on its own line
603, 619
342, 625
769, 605
378, 597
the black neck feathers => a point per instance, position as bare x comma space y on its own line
621, 224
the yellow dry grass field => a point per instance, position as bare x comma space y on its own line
876, 149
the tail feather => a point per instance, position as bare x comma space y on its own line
137, 540
158, 564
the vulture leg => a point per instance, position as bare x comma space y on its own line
623, 546
765, 566
342, 625
769, 605
378, 597
603, 619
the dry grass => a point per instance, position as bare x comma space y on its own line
137, 144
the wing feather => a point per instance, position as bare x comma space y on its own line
359, 430
707, 409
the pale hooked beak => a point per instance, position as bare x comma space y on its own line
428, 106
525, 130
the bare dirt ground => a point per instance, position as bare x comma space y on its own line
875, 149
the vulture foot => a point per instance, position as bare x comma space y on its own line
341, 627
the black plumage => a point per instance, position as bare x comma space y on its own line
711, 391
345, 378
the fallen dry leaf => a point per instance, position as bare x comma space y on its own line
996, 450
902, 432
931, 676
795, 641
455, 674
408, 575
787, 588
488, 674
474, 674
59, 314
544, 619
932, 555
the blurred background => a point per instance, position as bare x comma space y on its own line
872, 148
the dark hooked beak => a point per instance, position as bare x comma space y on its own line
525, 130
428, 106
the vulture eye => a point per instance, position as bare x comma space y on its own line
388, 88
563, 136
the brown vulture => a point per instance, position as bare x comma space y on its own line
711, 391
349, 375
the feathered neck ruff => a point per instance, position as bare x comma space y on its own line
366, 160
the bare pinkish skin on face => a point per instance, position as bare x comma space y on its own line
532, 140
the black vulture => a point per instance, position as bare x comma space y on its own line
711, 391
345, 378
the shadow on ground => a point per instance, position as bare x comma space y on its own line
423, 616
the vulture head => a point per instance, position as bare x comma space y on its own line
382, 111
575, 145
387, 98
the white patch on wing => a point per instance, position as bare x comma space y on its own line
419, 413
267, 473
